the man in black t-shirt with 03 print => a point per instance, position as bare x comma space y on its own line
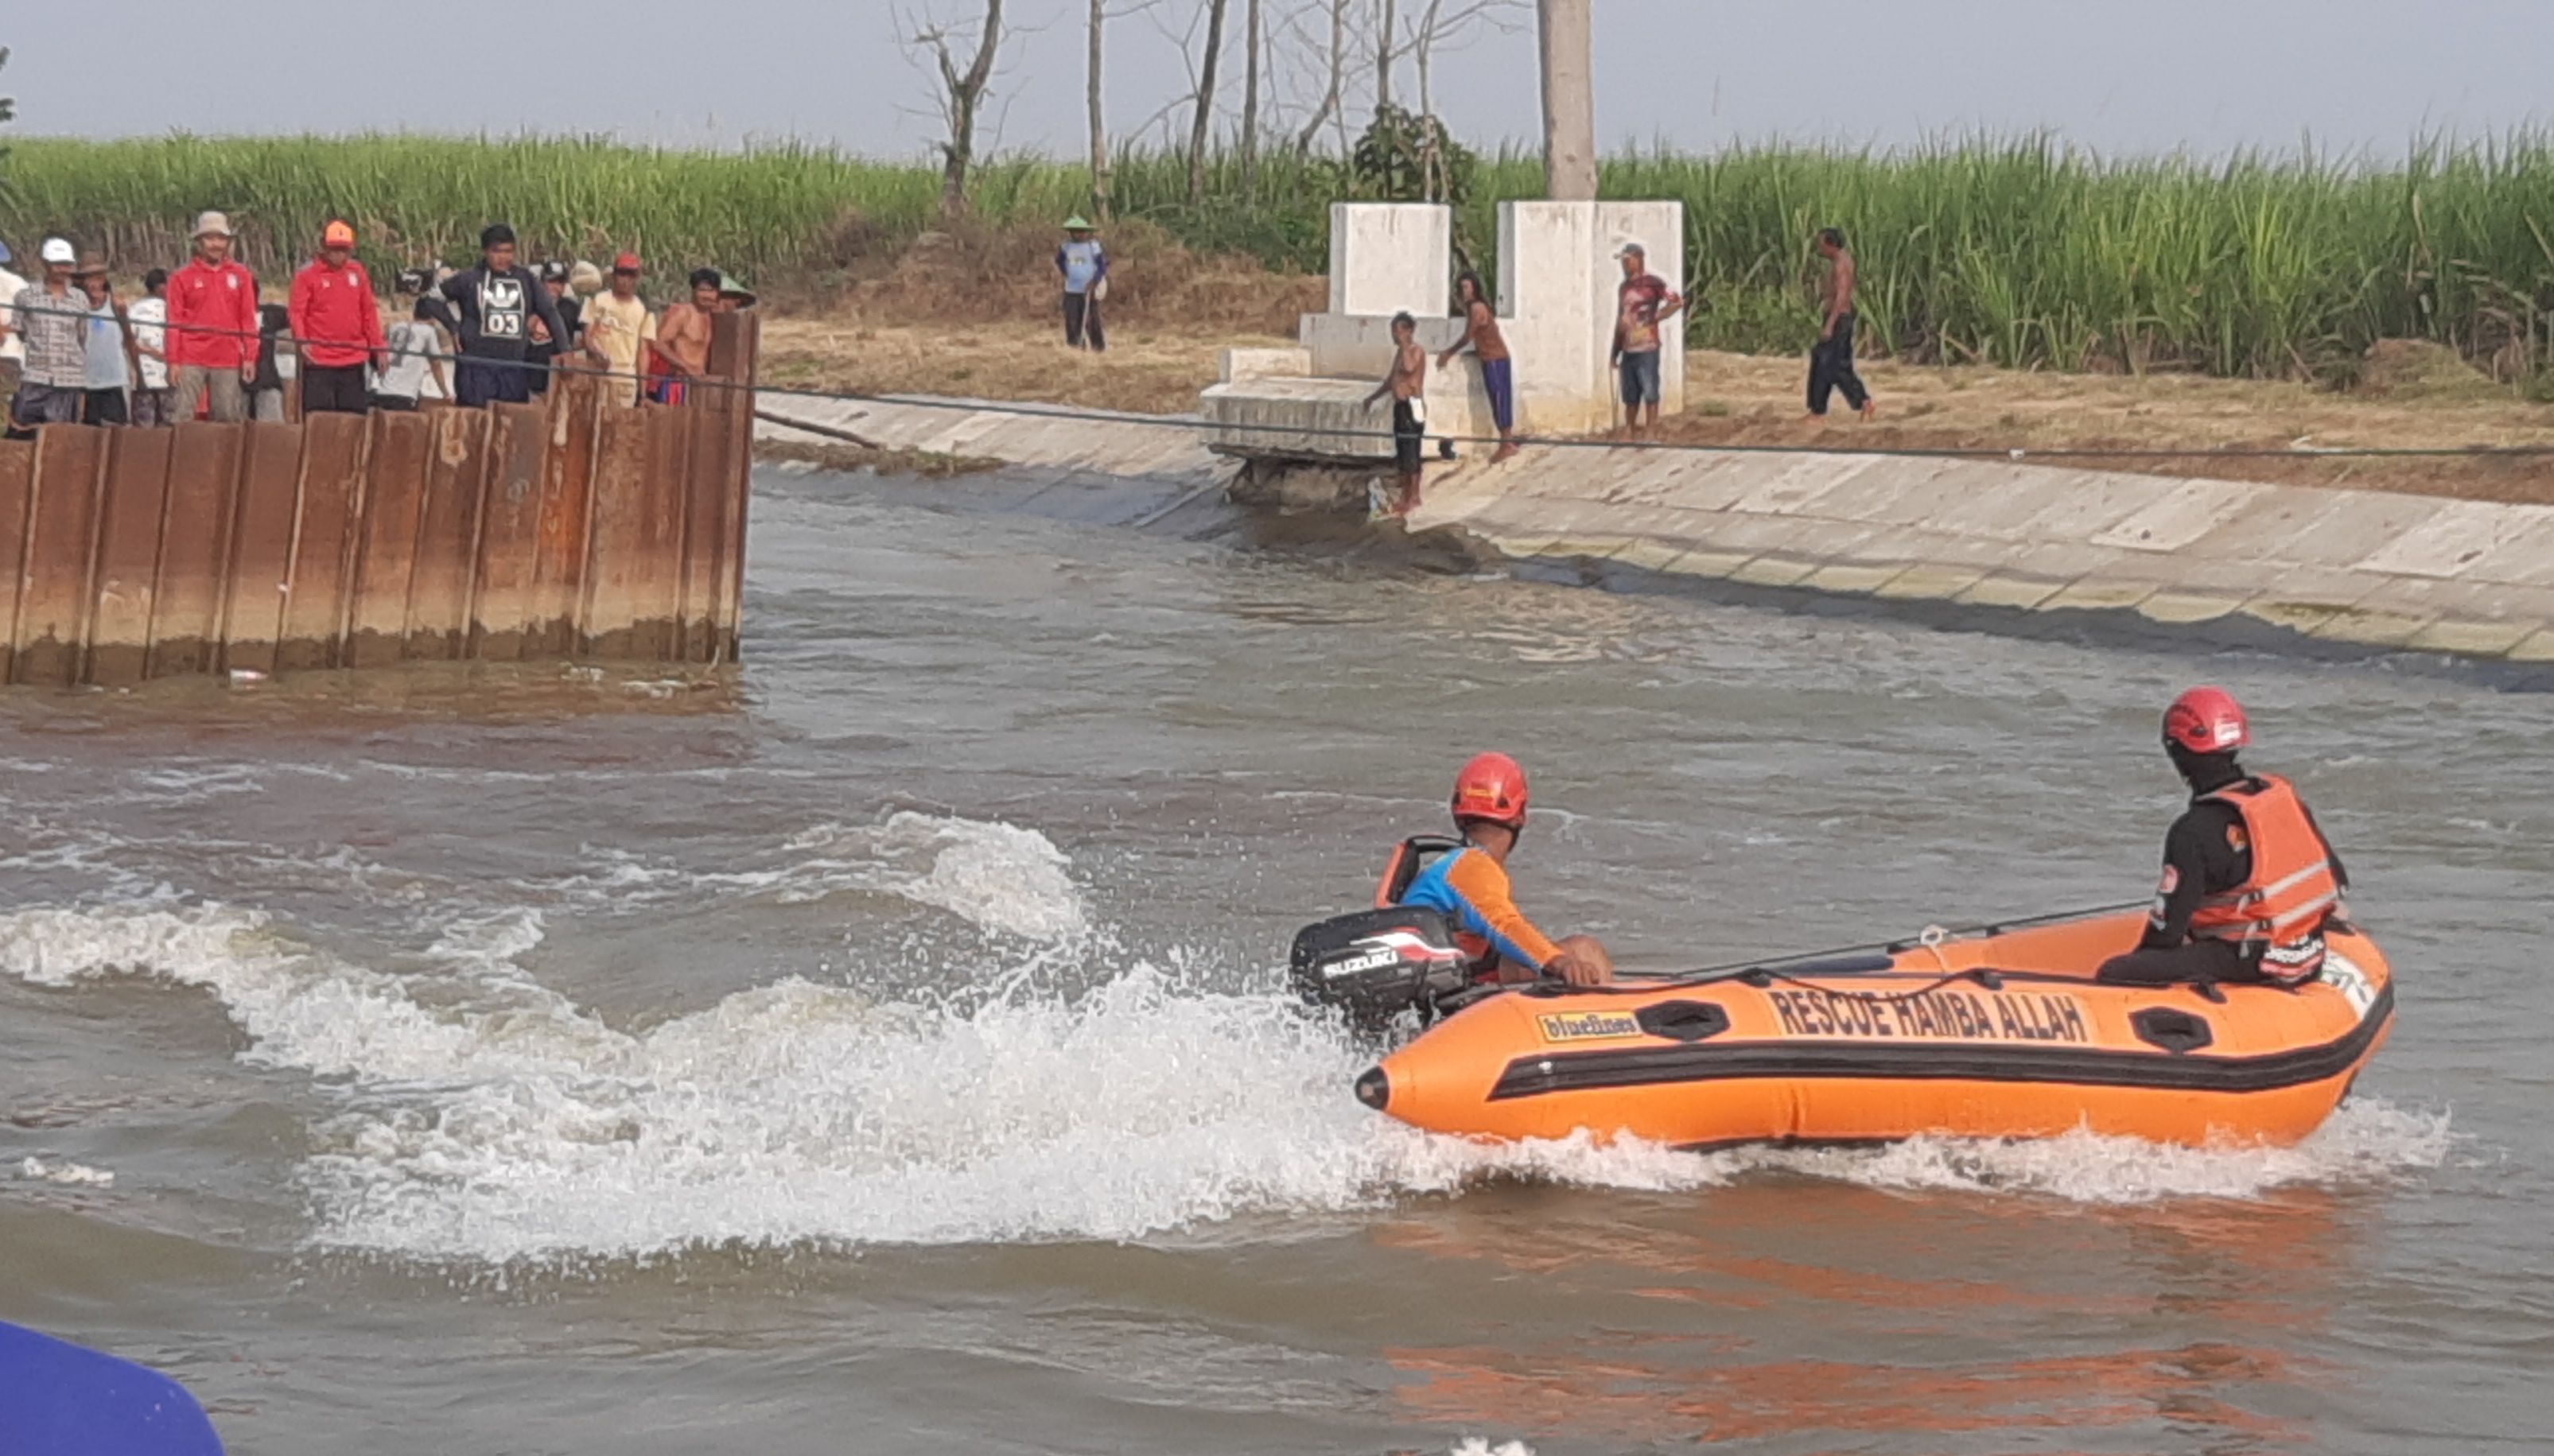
490, 310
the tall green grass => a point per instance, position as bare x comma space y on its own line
2027, 253
2014, 252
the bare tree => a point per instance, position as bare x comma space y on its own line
1569, 100
1385, 50
962, 93
1339, 57
1443, 26
1099, 113
1201, 128
1253, 43
8, 113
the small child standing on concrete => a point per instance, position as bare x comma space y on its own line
1407, 384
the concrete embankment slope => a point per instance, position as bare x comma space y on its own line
2219, 560
2367, 569
1107, 442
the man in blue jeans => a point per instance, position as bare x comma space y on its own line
1641, 306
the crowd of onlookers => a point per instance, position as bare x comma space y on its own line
204, 342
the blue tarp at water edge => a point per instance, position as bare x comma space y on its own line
59, 1399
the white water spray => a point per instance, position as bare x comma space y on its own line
475, 1115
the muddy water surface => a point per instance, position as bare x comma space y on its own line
882, 1052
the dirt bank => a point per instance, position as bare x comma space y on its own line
2410, 397
975, 322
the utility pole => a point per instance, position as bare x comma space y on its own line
1098, 112
1257, 34
1569, 101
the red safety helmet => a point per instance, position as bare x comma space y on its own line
1491, 788
2207, 721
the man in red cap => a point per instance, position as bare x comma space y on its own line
2249, 880
337, 322
618, 326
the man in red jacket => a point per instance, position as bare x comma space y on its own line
212, 326
337, 323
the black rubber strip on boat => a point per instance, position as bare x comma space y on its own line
1966, 1061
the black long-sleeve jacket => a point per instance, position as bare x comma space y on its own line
2203, 855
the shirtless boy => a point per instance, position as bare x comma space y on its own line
1407, 384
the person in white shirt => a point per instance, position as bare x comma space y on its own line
13, 350
154, 403
415, 362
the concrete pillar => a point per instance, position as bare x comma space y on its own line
1569, 101
1387, 256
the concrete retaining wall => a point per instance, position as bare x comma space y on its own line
565, 528
1110, 443
2370, 569
2365, 569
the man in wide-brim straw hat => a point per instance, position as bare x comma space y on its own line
212, 326
1085, 265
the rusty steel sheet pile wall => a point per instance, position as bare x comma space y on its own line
564, 528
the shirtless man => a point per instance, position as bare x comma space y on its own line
1407, 384
1498, 378
1831, 361
683, 339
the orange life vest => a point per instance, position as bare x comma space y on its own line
2281, 908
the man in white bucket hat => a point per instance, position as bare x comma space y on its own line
212, 326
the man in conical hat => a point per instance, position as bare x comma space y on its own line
1085, 265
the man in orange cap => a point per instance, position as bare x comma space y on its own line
337, 322
1470, 886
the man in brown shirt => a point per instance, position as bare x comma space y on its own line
1498, 378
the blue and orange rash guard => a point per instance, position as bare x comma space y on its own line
1470, 888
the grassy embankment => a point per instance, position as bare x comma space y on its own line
2016, 258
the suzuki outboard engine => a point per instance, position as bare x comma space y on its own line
1375, 965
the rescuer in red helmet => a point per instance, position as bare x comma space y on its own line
2249, 880
1467, 882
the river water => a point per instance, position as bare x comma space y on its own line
884, 1052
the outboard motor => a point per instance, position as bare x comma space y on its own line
1375, 965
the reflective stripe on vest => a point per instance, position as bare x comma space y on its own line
2292, 886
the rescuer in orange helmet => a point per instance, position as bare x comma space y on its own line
1468, 883
2249, 880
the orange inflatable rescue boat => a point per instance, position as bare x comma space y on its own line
1997, 1033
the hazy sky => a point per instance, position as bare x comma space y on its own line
2150, 74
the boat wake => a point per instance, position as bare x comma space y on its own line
463, 1112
